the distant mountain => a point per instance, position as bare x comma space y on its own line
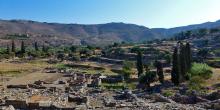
77, 33
98, 34
171, 31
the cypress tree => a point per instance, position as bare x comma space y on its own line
175, 69
22, 47
182, 60
44, 49
188, 56
13, 46
8, 49
159, 67
36, 46
139, 63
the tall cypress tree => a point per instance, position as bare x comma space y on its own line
188, 56
22, 47
183, 65
139, 63
176, 68
8, 49
13, 46
36, 46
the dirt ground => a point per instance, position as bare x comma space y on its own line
32, 77
25, 72
215, 79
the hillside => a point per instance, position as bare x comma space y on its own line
99, 34
171, 31
75, 33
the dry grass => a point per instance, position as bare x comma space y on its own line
107, 70
215, 79
27, 66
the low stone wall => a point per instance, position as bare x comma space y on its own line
18, 104
17, 86
112, 79
77, 99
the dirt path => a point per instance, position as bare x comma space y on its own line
215, 79
32, 77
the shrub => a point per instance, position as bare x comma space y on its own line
127, 69
195, 83
168, 93
200, 69
147, 78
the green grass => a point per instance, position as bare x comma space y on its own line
61, 66
168, 93
119, 86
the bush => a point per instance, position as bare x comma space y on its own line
147, 78
75, 57
200, 69
195, 83
127, 69
117, 86
168, 93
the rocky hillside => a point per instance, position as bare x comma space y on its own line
76, 33
171, 31
101, 34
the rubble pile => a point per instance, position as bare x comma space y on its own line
77, 90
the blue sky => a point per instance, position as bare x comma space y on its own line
150, 13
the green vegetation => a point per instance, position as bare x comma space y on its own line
113, 86
175, 70
127, 69
147, 78
168, 93
61, 66
181, 63
198, 74
16, 36
159, 67
13, 48
36, 46
200, 69
139, 63
195, 83
119, 86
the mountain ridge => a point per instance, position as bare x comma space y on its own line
101, 34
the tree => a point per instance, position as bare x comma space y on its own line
86, 52
175, 69
188, 57
139, 63
202, 32
147, 78
168, 58
119, 51
127, 69
214, 30
36, 46
8, 50
73, 49
188, 34
159, 67
22, 47
44, 49
13, 46
203, 53
135, 49
60, 56
183, 65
